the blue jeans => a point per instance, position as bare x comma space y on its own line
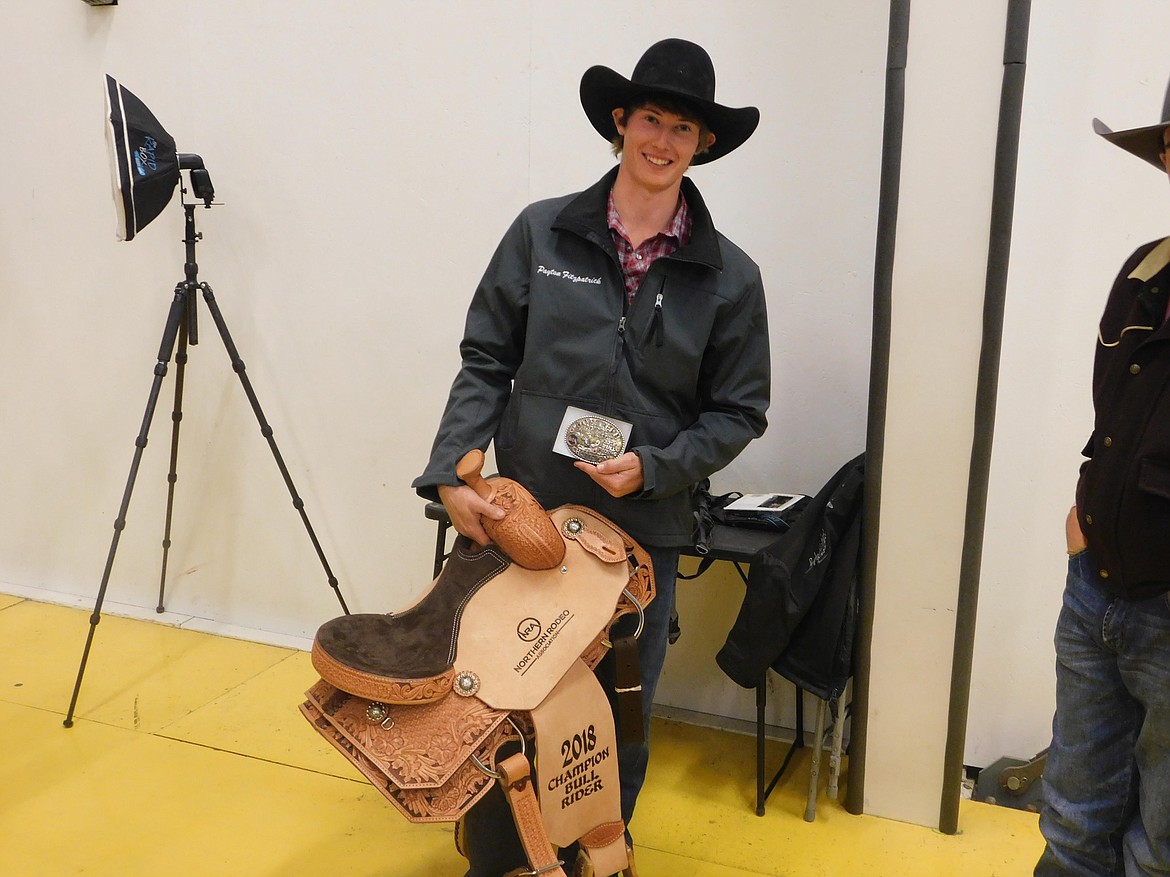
489, 835
1107, 780
634, 757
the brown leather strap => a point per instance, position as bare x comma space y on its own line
629, 690
606, 848
516, 778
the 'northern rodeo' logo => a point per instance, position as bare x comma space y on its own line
528, 629
540, 636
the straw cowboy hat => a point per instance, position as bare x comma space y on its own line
675, 68
1145, 143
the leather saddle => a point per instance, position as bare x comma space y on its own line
500, 648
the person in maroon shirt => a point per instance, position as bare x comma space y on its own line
1106, 782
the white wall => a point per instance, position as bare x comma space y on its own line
368, 157
954, 71
1082, 207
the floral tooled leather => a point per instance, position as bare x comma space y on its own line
420, 756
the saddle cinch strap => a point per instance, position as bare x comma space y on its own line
421, 701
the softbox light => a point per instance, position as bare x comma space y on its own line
143, 163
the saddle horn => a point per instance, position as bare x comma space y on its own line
526, 532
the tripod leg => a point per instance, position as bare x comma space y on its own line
174, 320
173, 474
239, 368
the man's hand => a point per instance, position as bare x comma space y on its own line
466, 507
1072, 533
619, 476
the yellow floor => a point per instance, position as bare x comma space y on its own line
189, 757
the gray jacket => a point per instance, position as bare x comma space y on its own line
687, 364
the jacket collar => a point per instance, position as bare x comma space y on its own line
584, 215
1155, 260
1152, 273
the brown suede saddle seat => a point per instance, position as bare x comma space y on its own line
420, 668
351, 650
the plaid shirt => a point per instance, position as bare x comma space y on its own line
637, 261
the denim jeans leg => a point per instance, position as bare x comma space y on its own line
1145, 668
1108, 768
633, 758
1089, 781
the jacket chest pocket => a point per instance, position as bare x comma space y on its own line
673, 328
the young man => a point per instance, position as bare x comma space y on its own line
1107, 779
625, 303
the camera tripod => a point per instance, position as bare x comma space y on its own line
182, 326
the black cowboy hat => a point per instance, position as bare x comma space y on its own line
674, 68
1145, 143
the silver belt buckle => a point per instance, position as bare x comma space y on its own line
586, 435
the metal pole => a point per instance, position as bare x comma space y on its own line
1002, 209
879, 374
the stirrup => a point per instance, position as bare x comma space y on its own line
583, 867
547, 869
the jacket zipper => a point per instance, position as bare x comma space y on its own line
657, 327
620, 351
657, 330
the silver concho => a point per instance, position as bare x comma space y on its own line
593, 439
466, 683
377, 712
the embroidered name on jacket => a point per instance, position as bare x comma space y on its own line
567, 275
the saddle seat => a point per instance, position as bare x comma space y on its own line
408, 657
352, 650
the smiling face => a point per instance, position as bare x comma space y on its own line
658, 145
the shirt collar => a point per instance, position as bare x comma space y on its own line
678, 227
583, 214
